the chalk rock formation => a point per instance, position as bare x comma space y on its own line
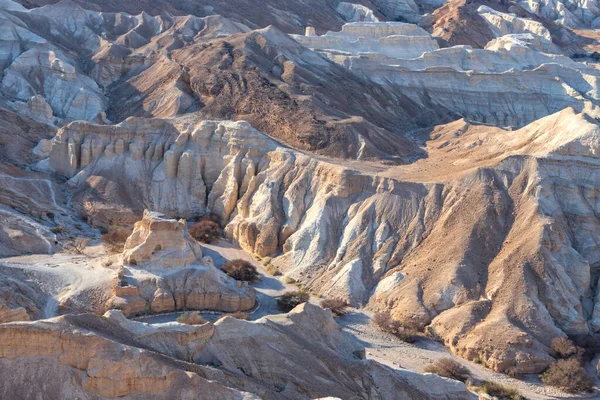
503, 24
408, 238
159, 241
166, 272
392, 39
356, 12
399, 10
527, 84
76, 358
573, 14
300, 355
197, 288
19, 300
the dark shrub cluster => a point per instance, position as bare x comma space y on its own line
448, 368
288, 301
241, 270
114, 241
386, 323
568, 375
205, 231
337, 306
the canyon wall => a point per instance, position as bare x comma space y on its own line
403, 238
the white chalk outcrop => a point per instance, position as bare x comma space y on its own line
525, 30
526, 84
392, 39
573, 14
160, 241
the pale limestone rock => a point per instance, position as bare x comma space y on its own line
503, 24
399, 10
355, 13
396, 239
393, 39
159, 241
74, 360
304, 351
572, 14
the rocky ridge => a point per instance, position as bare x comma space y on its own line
77, 353
320, 202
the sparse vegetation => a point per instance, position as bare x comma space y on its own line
205, 231
500, 391
289, 300
241, 270
448, 368
386, 323
289, 280
568, 375
191, 318
58, 230
272, 270
564, 348
237, 315
210, 217
78, 245
337, 306
114, 241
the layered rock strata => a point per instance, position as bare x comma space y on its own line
165, 271
421, 240
297, 356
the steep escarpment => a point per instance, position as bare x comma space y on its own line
410, 239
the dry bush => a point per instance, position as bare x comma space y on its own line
589, 345
205, 231
565, 348
448, 368
77, 246
337, 306
500, 391
386, 323
114, 241
568, 375
240, 270
191, 318
289, 300
272, 270
237, 315
210, 217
